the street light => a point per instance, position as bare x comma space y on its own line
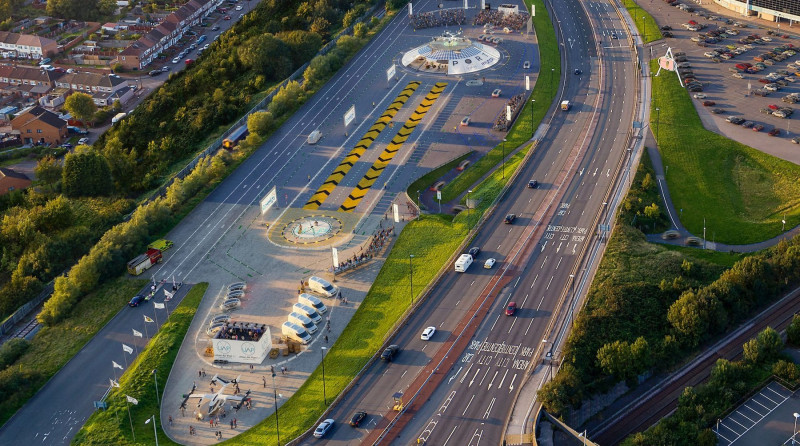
411, 275
533, 101
324, 396
153, 419
583, 435
644, 40
658, 120
549, 357
469, 214
155, 378
794, 432
277, 425
504, 158
552, 72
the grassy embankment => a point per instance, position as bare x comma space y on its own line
644, 22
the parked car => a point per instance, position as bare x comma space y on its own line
136, 300
717, 111
748, 124
83, 141
709, 103
323, 428
758, 127
735, 120
700, 96
774, 132
796, 140
474, 251
496, 93
738, 75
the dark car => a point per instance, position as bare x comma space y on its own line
774, 132
758, 127
511, 308
667, 34
137, 299
390, 352
357, 418
666, 28
533, 184
215, 28
155, 72
577, 71
709, 103
474, 251
717, 111
510, 218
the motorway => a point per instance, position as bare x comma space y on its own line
483, 363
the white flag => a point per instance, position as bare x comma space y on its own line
116, 365
113, 383
137, 333
168, 294
159, 306
147, 319
127, 349
131, 399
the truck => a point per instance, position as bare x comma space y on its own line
463, 263
233, 139
118, 117
565, 105
143, 262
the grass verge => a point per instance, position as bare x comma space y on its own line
53, 346
112, 426
644, 22
430, 178
531, 114
741, 193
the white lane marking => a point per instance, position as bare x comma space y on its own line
470, 402
493, 377
545, 261
484, 377
502, 379
404, 373
489, 409
455, 375
451, 434
495, 322
511, 386
473, 378
534, 281
559, 262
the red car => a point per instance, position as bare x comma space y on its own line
765, 81
773, 106
774, 132
511, 308
709, 103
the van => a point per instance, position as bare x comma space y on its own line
296, 332
303, 321
565, 105
322, 286
313, 302
314, 137
463, 263
308, 311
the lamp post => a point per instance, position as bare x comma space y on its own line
275, 391
153, 419
324, 396
504, 158
644, 39
155, 378
411, 276
658, 120
533, 101
549, 357
794, 432
552, 72
583, 435
469, 214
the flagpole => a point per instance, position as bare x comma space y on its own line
114, 369
155, 314
145, 331
128, 405
116, 415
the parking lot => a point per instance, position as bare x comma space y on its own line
745, 78
765, 418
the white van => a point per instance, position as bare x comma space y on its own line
322, 286
314, 137
463, 263
303, 321
295, 332
313, 302
308, 311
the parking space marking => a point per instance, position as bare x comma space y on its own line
728, 422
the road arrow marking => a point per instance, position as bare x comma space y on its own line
502, 379
493, 377
473, 378
511, 386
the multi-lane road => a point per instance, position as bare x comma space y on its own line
460, 386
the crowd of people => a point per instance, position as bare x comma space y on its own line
515, 103
376, 243
442, 17
241, 331
494, 17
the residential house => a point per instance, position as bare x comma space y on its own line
104, 89
22, 81
111, 27
26, 46
11, 180
38, 126
145, 50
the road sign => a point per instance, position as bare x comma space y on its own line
390, 72
350, 115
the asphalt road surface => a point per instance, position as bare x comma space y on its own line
55, 414
537, 254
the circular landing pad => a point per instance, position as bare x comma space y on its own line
312, 229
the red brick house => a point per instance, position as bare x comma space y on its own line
11, 180
38, 125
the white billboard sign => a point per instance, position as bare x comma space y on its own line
270, 199
410, 9
350, 115
247, 352
335, 254
508, 113
390, 72
396, 212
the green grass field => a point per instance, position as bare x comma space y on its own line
112, 426
645, 23
741, 192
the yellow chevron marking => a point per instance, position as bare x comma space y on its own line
350, 160
389, 152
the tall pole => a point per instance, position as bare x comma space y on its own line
469, 214
411, 275
704, 233
324, 396
128, 405
153, 419
552, 72
794, 432
533, 101
658, 120
277, 425
155, 377
504, 158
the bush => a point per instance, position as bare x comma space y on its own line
786, 370
11, 350
793, 331
260, 123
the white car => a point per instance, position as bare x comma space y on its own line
238, 7
489, 263
83, 141
526, 65
323, 428
176, 60
700, 96
427, 334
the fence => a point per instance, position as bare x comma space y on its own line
24, 310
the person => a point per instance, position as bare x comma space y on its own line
264, 380
170, 420
326, 339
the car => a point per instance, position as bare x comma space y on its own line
526, 65
533, 184
613, 36
390, 352
748, 124
83, 141
796, 140
215, 28
666, 28
717, 111
489, 263
709, 103
774, 132
136, 300
496, 93
577, 71
474, 251
758, 127
684, 65
511, 308
735, 120
738, 75
780, 114
765, 81
510, 219
357, 418
465, 121
700, 96
427, 333
773, 106
227, 17
176, 60
695, 88
667, 34
323, 428
164, 69
238, 7
154, 72
66, 145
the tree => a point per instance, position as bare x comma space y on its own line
793, 331
286, 98
260, 123
360, 30
86, 174
764, 347
266, 55
81, 106
8, 7
652, 212
303, 45
647, 182
48, 169
615, 359
320, 25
